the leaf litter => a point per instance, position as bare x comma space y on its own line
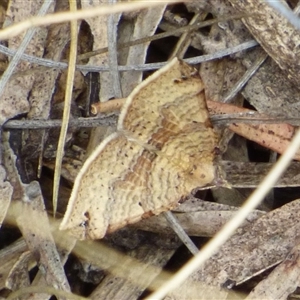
265, 240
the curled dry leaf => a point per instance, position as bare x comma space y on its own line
99, 31
148, 166
98, 27
144, 24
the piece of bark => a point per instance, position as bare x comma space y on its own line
269, 91
99, 31
142, 25
98, 27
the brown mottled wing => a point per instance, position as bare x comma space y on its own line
134, 193
171, 99
110, 192
173, 121
91, 202
157, 182
164, 149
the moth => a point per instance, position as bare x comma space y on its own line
164, 148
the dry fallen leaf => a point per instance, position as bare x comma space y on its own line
282, 281
144, 24
276, 137
164, 148
254, 248
14, 100
197, 218
35, 228
271, 30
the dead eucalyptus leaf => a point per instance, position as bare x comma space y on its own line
254, 248
197, 218
271, 30
143, 25
14, 100
34, 224
282, 281
276, 137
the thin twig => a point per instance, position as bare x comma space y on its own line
222, 53
144, 67
109, 120
47, 124
64, 65
173, 222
